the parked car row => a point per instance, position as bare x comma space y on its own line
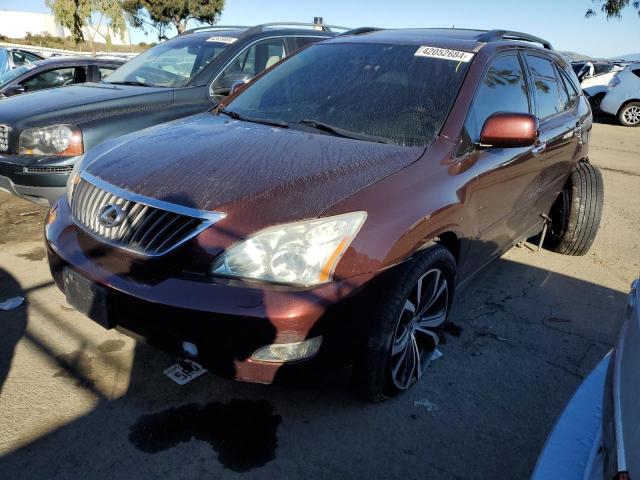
43, 134
56, 72
618, 82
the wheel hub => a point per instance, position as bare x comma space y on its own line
416, 336
632, 115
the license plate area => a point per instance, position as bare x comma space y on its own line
86, 297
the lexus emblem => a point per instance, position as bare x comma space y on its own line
110, 215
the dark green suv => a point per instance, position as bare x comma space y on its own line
42, 134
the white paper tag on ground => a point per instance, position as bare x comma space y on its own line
445, 53
185, 371
12, 303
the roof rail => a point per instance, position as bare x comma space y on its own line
214, 27
497, 35
360, 31
265, 26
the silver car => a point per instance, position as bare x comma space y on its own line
598, 434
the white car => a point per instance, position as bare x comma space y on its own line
597, 437
594, 79
623, 96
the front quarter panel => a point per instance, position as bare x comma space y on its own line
408, 209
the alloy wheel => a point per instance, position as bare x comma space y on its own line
416, 335
632, 115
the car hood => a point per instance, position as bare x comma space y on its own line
77, 103
266, 174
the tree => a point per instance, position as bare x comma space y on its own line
612, 8
160, 14
78, 16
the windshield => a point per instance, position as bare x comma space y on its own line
8, 77
382, 92
170, 64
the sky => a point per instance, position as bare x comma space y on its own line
561, 22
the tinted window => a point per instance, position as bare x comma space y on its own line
636, 72
541, 66
105, 71
546, 86
569, 92
9, 76
577, 67
49, 79
304, 41
4, 61
20, 58
382, 93
503, 89
249, 63
170, 64
601, 69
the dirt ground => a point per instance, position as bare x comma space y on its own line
77, 401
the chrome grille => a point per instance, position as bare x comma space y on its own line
145, 229
62, 169
4, 138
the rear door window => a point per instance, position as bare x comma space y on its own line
304, 41
570, 94
503, 89
546, 86
58, 77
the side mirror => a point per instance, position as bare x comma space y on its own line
229, 81
237, 86
509, 130
14, 90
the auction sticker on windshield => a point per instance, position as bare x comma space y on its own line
221, 39
435, 52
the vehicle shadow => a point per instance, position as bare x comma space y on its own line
14, 323
515, 351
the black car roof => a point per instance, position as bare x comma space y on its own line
468, 40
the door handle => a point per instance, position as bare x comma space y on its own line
539, 149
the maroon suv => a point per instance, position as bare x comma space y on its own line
325, 214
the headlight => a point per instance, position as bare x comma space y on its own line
73, 180
63, 140
301, 253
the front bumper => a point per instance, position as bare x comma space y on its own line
40, 180
228, 320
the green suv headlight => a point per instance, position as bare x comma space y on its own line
62, 140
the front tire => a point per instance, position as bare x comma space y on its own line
629, 115
407, 324
576, 213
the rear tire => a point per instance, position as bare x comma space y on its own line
576, 213
629, 115
406, 324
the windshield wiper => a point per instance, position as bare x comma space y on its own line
131, 82
244, 118
339, 132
